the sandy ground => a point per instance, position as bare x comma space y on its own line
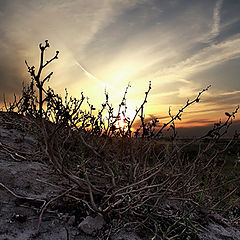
23, 174
27, 182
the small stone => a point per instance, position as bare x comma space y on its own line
90, 225
71, 220
215, 231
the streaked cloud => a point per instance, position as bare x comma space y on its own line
230, 93
204, 59
108, 43
215, 30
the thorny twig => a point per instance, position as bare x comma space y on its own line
24, 199
50, 201
180, 111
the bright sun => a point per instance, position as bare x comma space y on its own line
121, 123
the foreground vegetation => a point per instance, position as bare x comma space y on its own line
145, 179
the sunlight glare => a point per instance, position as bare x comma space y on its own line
121, 123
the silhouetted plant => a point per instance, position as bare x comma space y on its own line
36, 77
136, 175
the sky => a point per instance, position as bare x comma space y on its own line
181, 46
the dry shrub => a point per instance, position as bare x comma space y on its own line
141, 176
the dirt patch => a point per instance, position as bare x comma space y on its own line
23, 174
28, 183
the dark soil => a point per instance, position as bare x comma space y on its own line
23, 173
28, 181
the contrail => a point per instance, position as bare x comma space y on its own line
216, 20
91, 76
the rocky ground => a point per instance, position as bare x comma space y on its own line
27, 184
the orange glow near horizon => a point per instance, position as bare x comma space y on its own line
132, 42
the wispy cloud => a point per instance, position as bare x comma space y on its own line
204, 59
166, 94
230, 93
69, 25
199, 121
225, 100
216, 21
112, 42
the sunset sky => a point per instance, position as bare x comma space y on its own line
181, 46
